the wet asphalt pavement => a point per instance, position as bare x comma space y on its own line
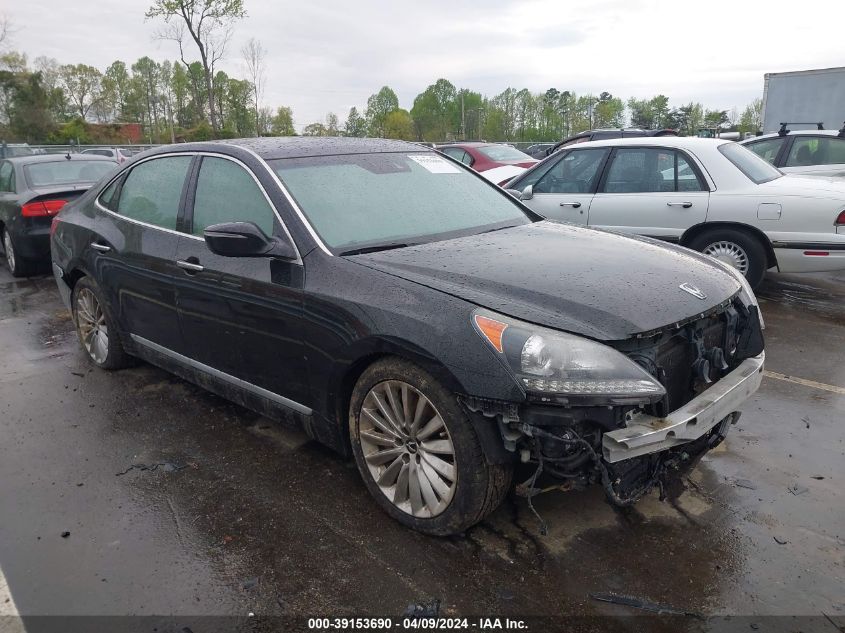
179, 503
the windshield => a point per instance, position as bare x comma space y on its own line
503, 153
65, 172
754, 167
360, 200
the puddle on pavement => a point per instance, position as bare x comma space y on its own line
780, 292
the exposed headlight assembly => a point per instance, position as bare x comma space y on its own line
564, 367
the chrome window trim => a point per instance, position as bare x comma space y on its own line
100, 206
291, 201
298, 259
233, 380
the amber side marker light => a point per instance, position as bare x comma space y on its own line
492, 330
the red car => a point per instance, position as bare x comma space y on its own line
498, 163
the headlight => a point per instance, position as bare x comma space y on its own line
746, 294
548, 362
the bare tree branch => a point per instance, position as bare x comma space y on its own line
254, 53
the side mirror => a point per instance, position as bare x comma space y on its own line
516, 193
245, 239
527, 193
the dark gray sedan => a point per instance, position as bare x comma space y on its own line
33, 189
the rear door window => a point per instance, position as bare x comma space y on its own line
816, 150
152, 191
650, 170
226, 192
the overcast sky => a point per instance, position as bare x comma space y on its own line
328, 55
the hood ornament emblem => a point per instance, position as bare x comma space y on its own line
694, 291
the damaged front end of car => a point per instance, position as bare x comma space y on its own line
629, 415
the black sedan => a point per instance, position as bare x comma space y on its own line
33, 189
406, 312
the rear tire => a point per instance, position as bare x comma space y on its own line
96, 327
737, 248
18, 266
455, 487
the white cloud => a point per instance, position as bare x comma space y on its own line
330, 55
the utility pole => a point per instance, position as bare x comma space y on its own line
463, 119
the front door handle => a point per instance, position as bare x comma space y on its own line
100, 247
574, 205
190, 266
685, 205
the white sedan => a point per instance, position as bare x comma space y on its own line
711, 195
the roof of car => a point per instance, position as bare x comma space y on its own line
270, 147
466, 144
55, 158
804, 132
684, 142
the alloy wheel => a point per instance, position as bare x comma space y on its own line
408, 449
9, 250
730, 253
91, 324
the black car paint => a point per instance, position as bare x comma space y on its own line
31, 235
304, 330
563, 293
601, 135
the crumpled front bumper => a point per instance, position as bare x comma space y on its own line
646, 434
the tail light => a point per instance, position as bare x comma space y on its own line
840, 220
42, 208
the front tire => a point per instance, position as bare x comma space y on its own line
96, 326
18, 266
735, 248
418, 453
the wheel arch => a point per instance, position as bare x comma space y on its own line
699, 229
371, 350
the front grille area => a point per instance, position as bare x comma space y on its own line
675, 357
671, 358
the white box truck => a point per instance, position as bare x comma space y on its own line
804, 98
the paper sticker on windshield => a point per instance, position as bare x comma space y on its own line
435, 164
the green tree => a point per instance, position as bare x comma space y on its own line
315, 129
81, 84
208, 23
398, 124
379, 105
716, 118
355, 125
332, 125
609, 111
436, 112
751, 119
282, 122
115, 89
30, 117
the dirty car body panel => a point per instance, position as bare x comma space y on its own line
289, 336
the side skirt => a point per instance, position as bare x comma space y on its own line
239, 391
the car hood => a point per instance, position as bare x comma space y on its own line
813, 186
588, 282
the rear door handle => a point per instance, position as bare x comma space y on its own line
685, 205
100, 247
189, 266
574, 205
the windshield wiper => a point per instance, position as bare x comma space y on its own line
373, 249
500, 228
